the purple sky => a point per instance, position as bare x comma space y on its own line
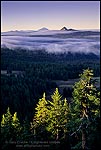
32, 15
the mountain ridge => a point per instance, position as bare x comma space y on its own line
41, 29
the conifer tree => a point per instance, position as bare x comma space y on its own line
85, 105
16, 126
6, 129
41, 115
41, 111
58, 114
6, 124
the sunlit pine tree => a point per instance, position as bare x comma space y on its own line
41, 115
6, 124
85, 105
58, 114
16, 126
6, 129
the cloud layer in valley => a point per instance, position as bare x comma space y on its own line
90, 44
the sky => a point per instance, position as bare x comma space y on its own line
33, 15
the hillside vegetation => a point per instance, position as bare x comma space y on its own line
57, 123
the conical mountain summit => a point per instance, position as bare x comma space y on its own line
64, 29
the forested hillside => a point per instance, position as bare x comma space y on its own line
25, 76
35, 73
56, 123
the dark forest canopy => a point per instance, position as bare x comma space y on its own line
21, 59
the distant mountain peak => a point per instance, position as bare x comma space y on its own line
64, 29
43, 29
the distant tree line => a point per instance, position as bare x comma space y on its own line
66, 65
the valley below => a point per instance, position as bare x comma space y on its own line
36, 65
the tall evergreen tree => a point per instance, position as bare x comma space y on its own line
41, 111
16, 126
41, 115
85, 106
6, 129
58, 114
6, 125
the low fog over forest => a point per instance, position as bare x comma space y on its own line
53, 41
